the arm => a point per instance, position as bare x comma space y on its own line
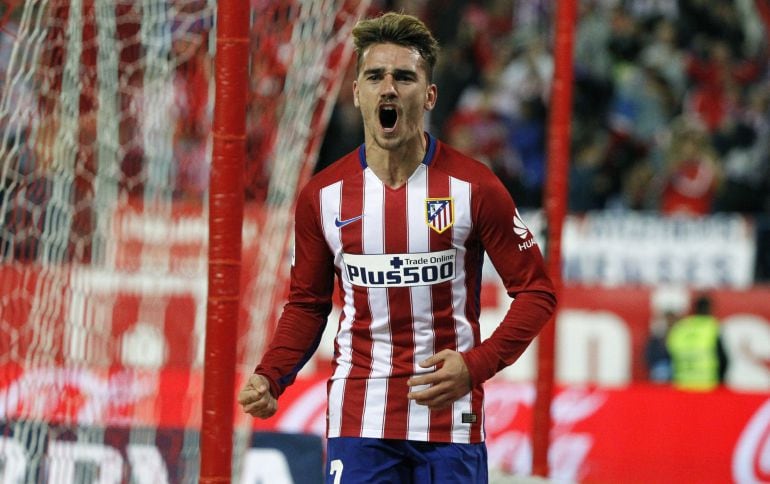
518, 260
304, 316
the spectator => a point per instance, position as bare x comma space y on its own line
716, 78
656, 354
478, 131
526, 138
713, 19
699, 361
588, 184
456, 70
527, 77
692, 173
662, 55
521, 98
625, 39
744, 145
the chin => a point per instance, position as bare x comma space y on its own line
389, 141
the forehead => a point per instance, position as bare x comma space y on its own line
392, 56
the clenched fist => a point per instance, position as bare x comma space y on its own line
256, 399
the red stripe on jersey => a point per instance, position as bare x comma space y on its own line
443, 315
352, 205
472, 309
401, 320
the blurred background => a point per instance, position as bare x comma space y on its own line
106, 112
670, 101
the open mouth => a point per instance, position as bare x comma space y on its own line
388, 117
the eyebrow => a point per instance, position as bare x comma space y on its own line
381, 70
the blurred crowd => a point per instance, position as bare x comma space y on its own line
671, 108
671, 100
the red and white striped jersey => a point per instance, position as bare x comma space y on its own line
408, 265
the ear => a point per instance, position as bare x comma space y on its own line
355, 95
430, 97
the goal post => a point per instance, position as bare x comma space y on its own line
555, 203
226, 200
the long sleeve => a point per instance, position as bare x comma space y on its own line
304, 316
516, 257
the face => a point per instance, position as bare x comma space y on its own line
392, 92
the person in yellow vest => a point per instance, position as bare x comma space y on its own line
694, 343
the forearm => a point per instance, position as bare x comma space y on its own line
304, 316
528, 313
295, 340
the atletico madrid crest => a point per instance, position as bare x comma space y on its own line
439, 213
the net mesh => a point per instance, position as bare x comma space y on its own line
105, 122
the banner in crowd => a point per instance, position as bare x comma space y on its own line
631, 248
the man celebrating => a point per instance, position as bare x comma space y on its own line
403, 223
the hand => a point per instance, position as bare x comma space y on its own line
256, 399
448, 383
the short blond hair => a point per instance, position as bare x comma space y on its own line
400, 29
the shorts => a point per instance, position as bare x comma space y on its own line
353, 460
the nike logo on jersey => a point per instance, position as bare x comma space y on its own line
341, 223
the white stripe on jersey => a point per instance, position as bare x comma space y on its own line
461, 193
422, 309
331, 199
373, 239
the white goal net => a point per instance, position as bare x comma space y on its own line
105, 140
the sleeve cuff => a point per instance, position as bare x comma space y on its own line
481, 365
275, 389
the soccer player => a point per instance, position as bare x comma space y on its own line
403, 223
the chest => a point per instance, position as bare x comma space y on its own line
431, 212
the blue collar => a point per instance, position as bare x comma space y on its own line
426, 160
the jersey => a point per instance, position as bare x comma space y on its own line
408, 265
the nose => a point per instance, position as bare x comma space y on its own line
388, 86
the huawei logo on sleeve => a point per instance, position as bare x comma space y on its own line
518, 226
523, 232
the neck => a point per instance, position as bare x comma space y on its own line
394, 166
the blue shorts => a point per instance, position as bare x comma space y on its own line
352, 460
